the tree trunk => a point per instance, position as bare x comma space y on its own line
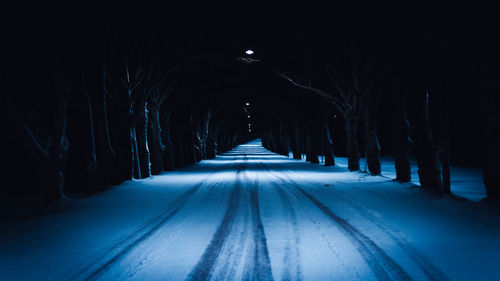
211, 147
82, 161
105, 151
55, 163
328, 146
203, 147
372, 145
445, 144
179, 150
220, 143
491, 136
155, 145
135, 165
402, 146
205, 134
429, 171
189, 145
49, 165
351, 130
283, 143
92, 159
168, 154
313, 146
141, 134
193, 147
197, 145
296, 144
51, 179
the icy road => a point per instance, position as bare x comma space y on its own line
254, 215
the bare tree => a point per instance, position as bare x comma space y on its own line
429, 170
203, 133
490, 101
156, 97
403, 142
356, 95
49, 146
348, 101
328, 145
131, 78
105, 147
92, 161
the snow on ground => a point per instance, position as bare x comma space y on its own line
253, 214
465, 182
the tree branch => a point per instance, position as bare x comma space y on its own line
339, 82
335, 101
25, 128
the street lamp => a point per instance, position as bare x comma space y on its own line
246, 59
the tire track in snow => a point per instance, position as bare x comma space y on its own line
203, 268
313, 214
257, 266
382, 265
293, 268
432, 272
136, 237
429, 269
261, 264
260, 268
166, 235
370, 251
234, 248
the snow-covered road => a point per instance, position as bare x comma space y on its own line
254, 215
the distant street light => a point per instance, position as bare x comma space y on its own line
247, 103
248, 116
247, 59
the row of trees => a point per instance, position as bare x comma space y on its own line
83, 110
100, 111
351, 84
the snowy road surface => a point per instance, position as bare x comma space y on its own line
254, 215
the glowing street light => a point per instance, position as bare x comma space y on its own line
248, 116
247, 103
249, 52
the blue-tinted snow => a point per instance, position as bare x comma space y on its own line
252, 213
